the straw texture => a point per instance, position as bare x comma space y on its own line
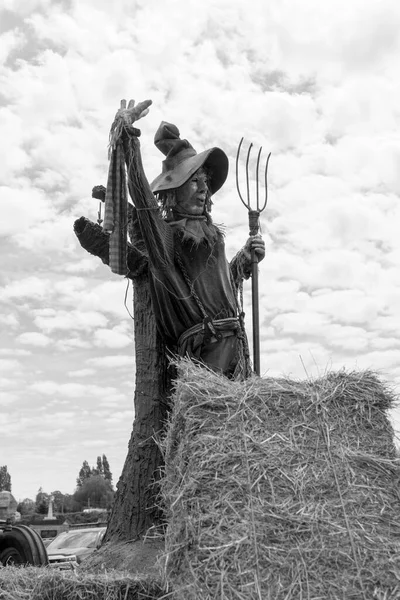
280, 489
44, 583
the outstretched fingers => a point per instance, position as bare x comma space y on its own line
142, 109
133, 113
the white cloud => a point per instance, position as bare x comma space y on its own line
70, 320
23, 207
9, 320
300, 361
50, 434
83, 266
8, 365
72, 390
8, 398
55, 235
378, 342
23, 8
347, 306
10, 41
120, 416
97, 443
387, 324
14, 352
28, 287
70, 344
33, 338
111, 362
298, 323
379, 360
112, 338
108, 296
81, 373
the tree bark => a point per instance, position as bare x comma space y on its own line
136, 505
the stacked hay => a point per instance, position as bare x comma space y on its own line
277, 489
44, 583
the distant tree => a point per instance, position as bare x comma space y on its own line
70, 504
98, 469
58, 501
106, 470
95, 492
26, 507
5, 479
102, 469
42, 501
84, 474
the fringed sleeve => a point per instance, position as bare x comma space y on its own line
95, 241
157, 235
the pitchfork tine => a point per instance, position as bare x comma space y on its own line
266, 184
257, 182
247, 176
237, 172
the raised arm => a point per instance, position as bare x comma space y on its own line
157, 235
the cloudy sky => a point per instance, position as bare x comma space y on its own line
316, 83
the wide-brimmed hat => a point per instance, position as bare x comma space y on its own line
182, 161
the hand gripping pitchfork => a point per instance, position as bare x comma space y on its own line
254, 226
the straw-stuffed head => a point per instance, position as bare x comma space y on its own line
182, 161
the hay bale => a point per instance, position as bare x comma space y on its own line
279, 489
44, 583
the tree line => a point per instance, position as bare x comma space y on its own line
94, 489
5, 479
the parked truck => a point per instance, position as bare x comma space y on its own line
19, 544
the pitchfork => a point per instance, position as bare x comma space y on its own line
254, 226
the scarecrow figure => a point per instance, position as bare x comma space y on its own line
194, 289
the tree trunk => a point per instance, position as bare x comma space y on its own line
135, 507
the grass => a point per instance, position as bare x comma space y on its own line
44, 583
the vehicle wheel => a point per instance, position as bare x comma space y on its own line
22, 545
11, 556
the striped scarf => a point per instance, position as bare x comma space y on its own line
116, 209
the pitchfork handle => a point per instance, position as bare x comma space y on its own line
254, 226
256, 317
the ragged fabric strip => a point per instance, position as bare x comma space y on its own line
116, 210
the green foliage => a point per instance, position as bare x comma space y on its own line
62, 502
39, 519
106, 469
98, 470
84, 473
94, 485
102, 469
73, 518
95, 492
80, 518
70, 504
26, 507
5, 479
42, 501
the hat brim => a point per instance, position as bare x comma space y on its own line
215, 159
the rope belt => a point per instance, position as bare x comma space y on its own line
210, 331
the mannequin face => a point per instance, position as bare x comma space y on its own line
191, 196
